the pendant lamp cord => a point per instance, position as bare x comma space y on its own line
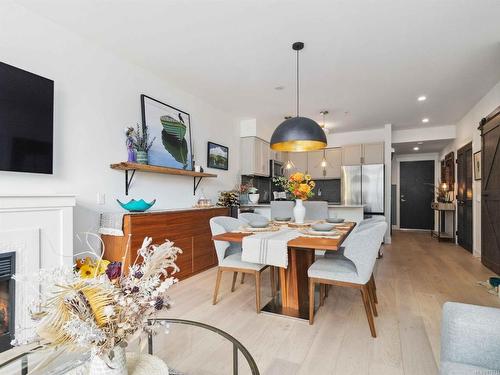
297, 83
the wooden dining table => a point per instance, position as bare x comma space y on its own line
293, 297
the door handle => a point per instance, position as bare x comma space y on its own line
403, 200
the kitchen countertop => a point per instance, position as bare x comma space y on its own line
329, 205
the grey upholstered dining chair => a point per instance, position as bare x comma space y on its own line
247, 217
316, 210
281, 209
354, 270
470, 339
229, 258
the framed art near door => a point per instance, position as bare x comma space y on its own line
477, 165
217, 156
172, 129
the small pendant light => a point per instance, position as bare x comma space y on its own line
298, 133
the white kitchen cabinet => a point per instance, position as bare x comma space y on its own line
352, 154
334, 162
255, 155
373, 153
280, 156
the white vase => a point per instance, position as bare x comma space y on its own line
254, 198
115, 366
299, 211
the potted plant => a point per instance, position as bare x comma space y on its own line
301, 187
229, 199
140, 141
253, 195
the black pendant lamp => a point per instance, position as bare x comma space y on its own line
298, 133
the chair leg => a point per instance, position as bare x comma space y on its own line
242, 277
217, 283
311, 301
322, 294
257, 291
273, 281
371, 294
374, 289
366, 301
327, 288
235, 275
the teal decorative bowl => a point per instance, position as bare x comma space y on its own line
137, 206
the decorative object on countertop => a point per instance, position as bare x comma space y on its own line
203, 201
173, 127
301, 187
229, 199
298, 133
217, 156
97, 307
443, 192
137, 206
253, 195
141, 143
243, 189
131, 157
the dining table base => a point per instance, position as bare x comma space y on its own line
293, 297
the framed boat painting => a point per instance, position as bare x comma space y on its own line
217, 156
172, 128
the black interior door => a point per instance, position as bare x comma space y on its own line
464, 196
416, 180
490, 191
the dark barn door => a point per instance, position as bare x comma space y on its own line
464, 196
416, 180
490, 191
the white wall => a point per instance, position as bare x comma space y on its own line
467, 132
96, 97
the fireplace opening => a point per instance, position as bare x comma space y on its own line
7, 299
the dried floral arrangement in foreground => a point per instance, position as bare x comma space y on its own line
96, 306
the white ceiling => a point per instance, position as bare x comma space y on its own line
368, 58
424, 147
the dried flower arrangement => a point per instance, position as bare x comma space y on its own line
139, 137
228, 199
96, 306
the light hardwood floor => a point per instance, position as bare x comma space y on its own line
414, 278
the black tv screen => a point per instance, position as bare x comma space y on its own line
26, 121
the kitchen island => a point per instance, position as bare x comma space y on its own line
354, 213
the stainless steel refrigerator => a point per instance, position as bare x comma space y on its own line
364, 184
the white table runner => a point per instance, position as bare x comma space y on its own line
270, 248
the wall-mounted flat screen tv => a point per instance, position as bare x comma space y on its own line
26, 121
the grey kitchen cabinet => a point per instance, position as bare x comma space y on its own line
333, 158
352, 154
255, 155
373, 153
368, 153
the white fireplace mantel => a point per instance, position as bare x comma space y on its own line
39, 229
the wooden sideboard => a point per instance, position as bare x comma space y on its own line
189, 229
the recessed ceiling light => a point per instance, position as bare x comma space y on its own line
425, 120
422, 98
416, 148
420, 143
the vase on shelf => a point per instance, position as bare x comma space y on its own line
299, 211
131, 156
116, 365
254, 197
142, 157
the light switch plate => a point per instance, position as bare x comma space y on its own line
101, 198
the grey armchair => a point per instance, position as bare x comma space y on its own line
470, 339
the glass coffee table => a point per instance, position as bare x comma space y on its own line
186, 346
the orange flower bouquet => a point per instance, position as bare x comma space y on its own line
301, 186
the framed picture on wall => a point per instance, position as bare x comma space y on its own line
217, 156
477, 165
172, 128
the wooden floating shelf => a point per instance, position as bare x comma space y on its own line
126, 166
